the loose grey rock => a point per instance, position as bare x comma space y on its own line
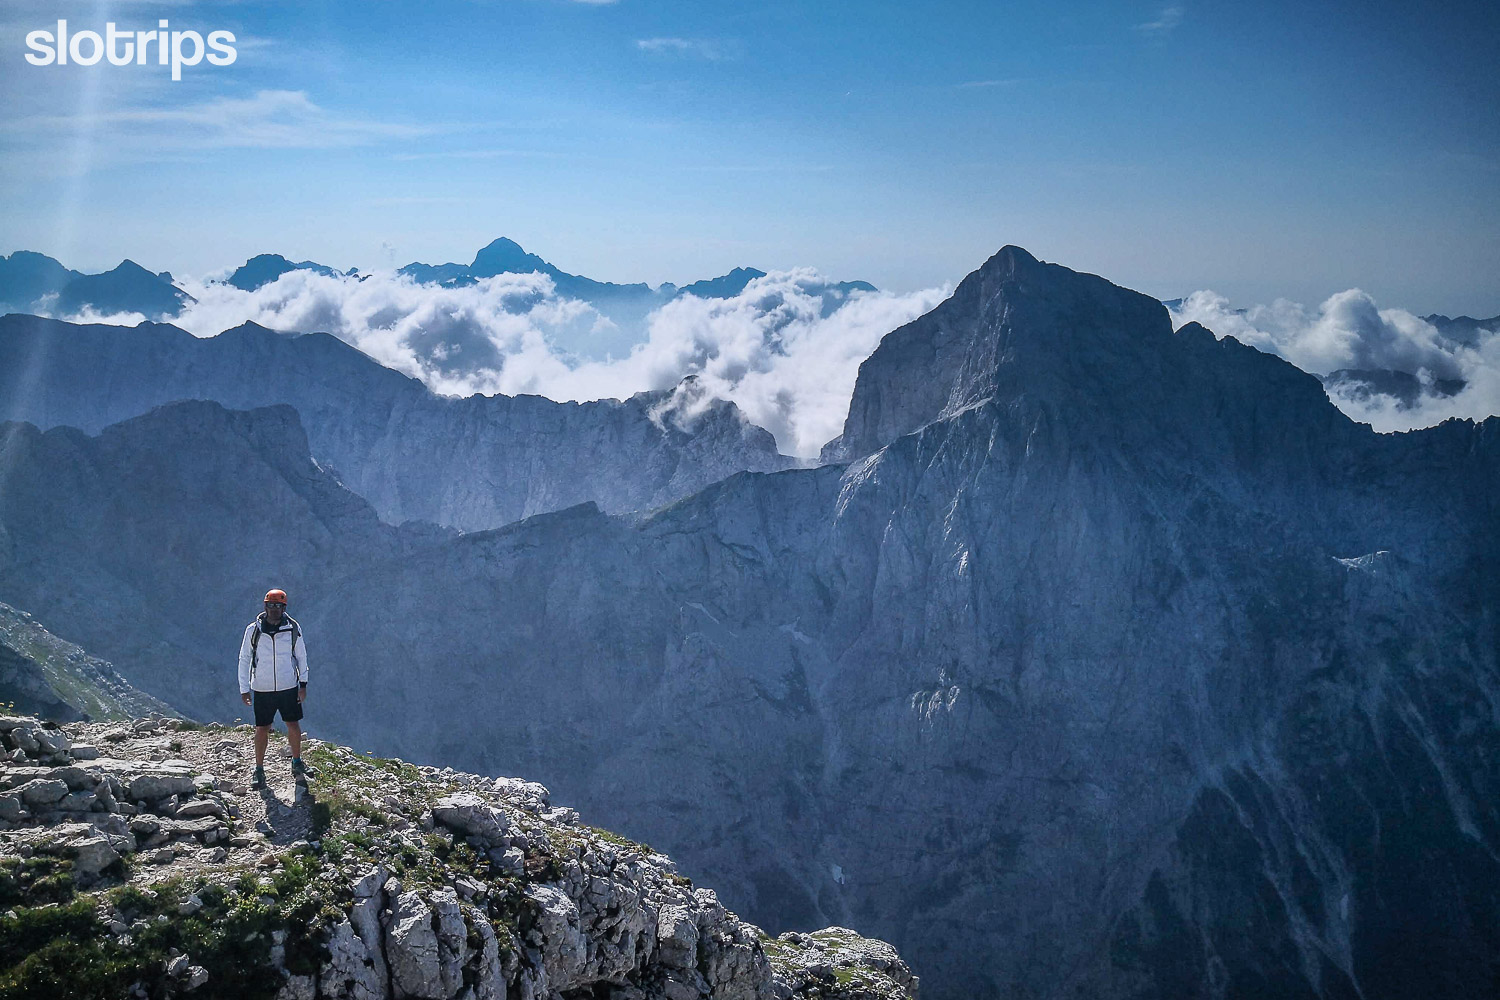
200, 807
42, 791
467, 813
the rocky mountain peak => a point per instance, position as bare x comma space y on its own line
1014, 327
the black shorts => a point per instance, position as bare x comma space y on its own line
268, 703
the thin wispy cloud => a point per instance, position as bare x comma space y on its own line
475, 154
701, 48
980, 84
1169, 18
269, 119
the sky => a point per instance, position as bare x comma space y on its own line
1264, 151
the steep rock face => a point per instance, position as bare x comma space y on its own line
1129, 669
466, 463
42, 674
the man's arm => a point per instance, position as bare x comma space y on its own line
245, 666
299, 651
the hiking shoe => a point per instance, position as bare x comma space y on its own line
300, 769
258, 780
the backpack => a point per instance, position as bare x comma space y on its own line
255, 641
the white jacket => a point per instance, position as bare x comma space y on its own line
278, 666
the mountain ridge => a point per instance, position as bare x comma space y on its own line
491, 459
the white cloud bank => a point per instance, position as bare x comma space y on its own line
784, 352
1350, 331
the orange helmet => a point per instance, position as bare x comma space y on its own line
275, 597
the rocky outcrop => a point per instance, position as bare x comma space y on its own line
471, 463
406, 889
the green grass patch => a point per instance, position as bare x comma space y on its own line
36, 881
68, 951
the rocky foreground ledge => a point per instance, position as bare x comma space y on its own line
135, 861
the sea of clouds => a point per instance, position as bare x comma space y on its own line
1350, 331
786, 350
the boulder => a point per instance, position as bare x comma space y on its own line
77, 802
471, 815
76, 778
92, 855
144, 781
200, 807
370, 883
453, 939
42, 791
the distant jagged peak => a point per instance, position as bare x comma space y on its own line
262, 269
506, 256
250, 328
129, 268
724, 286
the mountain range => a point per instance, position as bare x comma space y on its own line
31, 282
470, 463
1099, 659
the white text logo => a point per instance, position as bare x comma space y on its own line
121, 48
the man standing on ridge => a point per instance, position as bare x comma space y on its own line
273, 668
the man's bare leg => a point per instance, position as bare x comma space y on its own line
294, 735
262, 736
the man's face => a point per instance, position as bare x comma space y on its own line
273, 611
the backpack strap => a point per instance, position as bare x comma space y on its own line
296, 634
254, 642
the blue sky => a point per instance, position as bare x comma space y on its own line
1261, 150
